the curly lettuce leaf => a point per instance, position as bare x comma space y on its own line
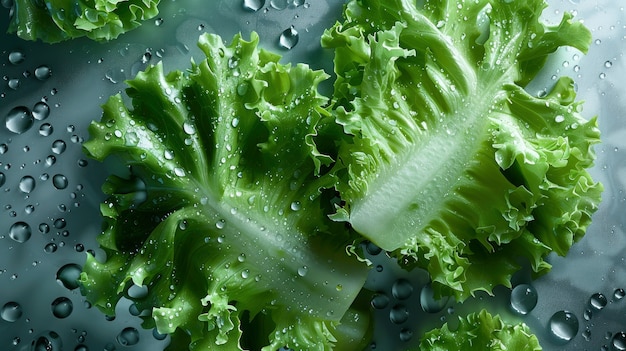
480, 331
56, 20
450, 164
221, 216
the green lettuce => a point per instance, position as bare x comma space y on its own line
218, 212
57, 20
448, 163
480, 331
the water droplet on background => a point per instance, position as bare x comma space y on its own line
11, 311
399, 314
128, 337
41, 111
429, 303
27, 184
402, 289
406, 335
253, 5
278, 4
2, 179
288, 38
59, 146
618, 342
20, 232
523, 299
564, 326
47, 341
46, 129
16, 57
59, 181
62, 307
68, 275
43, 72
19, 120
597, 301
618, 294
380, 301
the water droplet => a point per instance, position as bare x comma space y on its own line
45, 129
235, 122
81, 347
19, 120
618, 342
2, 179
129, 336
59, 181
602, 75
68, 275
242, 88
43, 72
523, 299
372, 249
41, 111
288, 38
47, 341
189, 128
380, 301
27, 184
402, 289
295, 206
220, 224
44, 228
11, 311
20, 232
429, 303
406, 335
59, 223
146, 57
398, 314
597, 301
564, 326
14, 83
559, 118
4, 148
168, 154
16, 57
608, 64
279, 4
618, 294
59, 146
62, 307
158, 22
50, 248
302, 271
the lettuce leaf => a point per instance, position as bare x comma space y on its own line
57, 20
221, 216
449, 163
480, 331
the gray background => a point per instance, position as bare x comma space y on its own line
84, 74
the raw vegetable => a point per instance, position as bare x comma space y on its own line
480, 331
57, 20
221, 223
451, 165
